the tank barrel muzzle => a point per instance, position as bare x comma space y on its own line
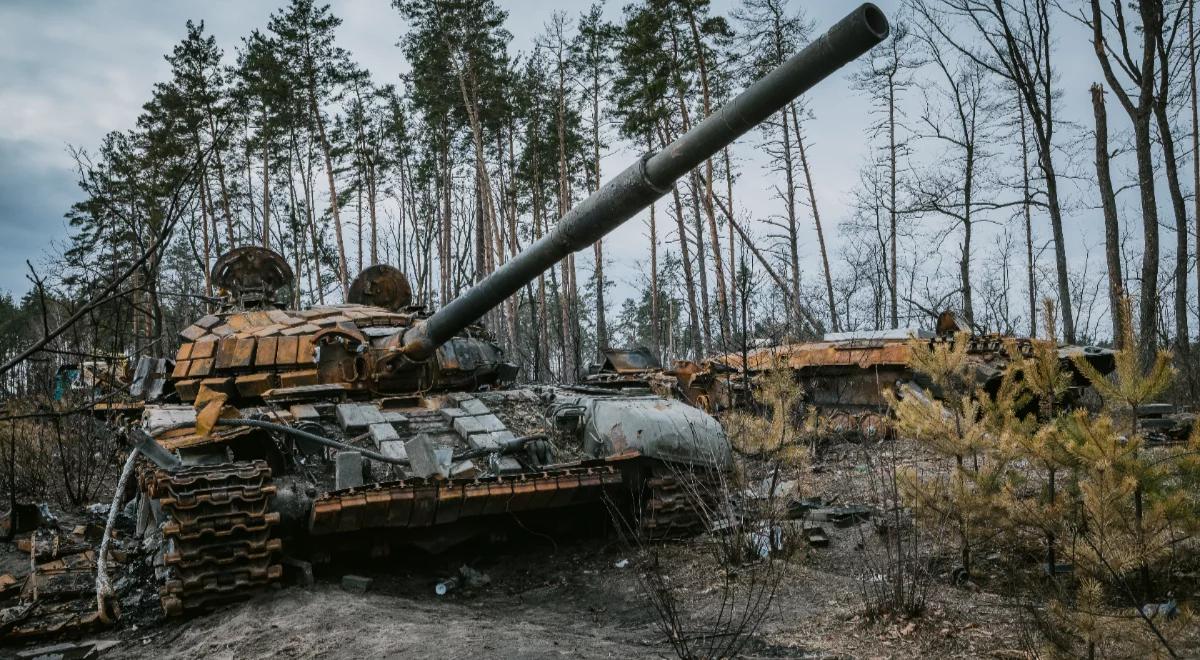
651, 177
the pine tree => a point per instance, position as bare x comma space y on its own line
263, 89
970, 496
319, 68
592, 63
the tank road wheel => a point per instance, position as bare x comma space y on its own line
218, 544
841, 424
875, 426
678, 501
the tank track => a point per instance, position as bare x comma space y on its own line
671, 509
868, 425
218, 544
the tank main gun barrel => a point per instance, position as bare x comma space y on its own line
651, 177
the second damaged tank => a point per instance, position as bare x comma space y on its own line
843, 377
359, 426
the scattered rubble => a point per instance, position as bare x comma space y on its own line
356, 583
69, 650
467, 577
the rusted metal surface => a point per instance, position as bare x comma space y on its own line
671, 509
58, 596
218, 542
383, 286
414, 503
855, 354
250, 276
845, 380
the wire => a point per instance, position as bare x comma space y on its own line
311, 437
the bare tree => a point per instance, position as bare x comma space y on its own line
1108, 199
1139, 105
959, 115
1015, 43
884, 77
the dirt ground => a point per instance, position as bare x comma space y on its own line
578, 598
570, 603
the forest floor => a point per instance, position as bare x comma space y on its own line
580, 598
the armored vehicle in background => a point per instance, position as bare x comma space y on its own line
359, 426
844, 375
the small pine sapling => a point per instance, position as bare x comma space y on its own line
970, 494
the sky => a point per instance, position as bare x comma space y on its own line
73, 70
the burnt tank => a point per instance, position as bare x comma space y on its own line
844, 375
361, 426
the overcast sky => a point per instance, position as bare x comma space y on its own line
72, 70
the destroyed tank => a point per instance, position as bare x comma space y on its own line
358, 427
844, 376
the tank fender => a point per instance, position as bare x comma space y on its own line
665, 429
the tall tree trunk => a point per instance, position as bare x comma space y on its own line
297, 233
812, 201
372, 199
514, 247
358, 224
343, 278
654, 311
1140, 113
689, 280
541, 328
446, 243
1027, 212
1195, 107
212, 126
567, 292
598, 246
733, 281
1178, 205
893, 281
701, 267
1148, 307
1060, 252
249, 162
706, 97
1112, 229
212, 213
266, 187
204, 212
310, 211
964, 266
793, 230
